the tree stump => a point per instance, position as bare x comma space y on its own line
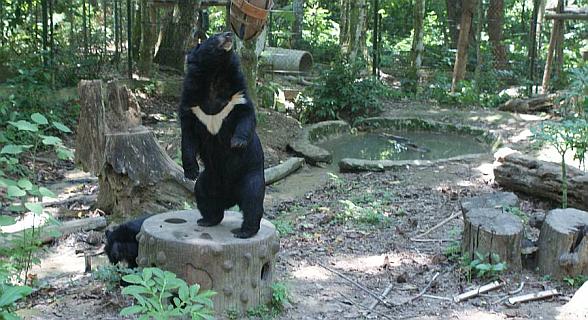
489, 230
563, 243
541, 179
239, 270
135, 175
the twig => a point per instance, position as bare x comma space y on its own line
472, 293
436, 297
517, 290
424, 289
363, 307
383, 296
433, 240
356, 284
533, 296
83, 198
439, 225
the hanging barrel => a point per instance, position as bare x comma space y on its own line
248, 17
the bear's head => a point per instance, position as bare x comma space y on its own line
215, 50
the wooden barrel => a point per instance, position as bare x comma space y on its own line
248, 17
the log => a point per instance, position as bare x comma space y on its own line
239, 270
52, 232
135, 175
533, 104
563, 244
282, 170
488, 230
542, 179
288, 59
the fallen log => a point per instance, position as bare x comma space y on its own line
542, 179
282, 170
533, 104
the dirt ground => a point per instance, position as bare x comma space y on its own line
319, 229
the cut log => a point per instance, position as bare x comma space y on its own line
288, 59
542, 179
282, 170
135, 175
497, 200
239, 270
563, 243
534, 104
488, 230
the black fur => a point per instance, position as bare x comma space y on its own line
233, 158
122, 244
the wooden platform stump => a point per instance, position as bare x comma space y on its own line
563, 243
135, 175
497, 200
239, 270
489, 230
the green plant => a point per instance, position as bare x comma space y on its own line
576, 281
280, 296
574, 97
111, 275
283, 227
342, 93
483, 266
453, 251
9, 295
518, 213
564, 136
368, 215
161, 295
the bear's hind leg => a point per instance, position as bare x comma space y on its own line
251, 193
210, 205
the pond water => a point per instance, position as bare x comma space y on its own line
405, 145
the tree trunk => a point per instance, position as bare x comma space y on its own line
479, 56
298, 7
489, 230
535, 39
137, 32
563, 244
463, 43
344, 26
147, 47
453, 18
358, 39
249, 66
240, 271
418, 46
541, 179
495, 26
555, 32
135, 175
175, 35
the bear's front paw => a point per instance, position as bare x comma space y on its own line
191, 173
208, 223
243, 234
238, 143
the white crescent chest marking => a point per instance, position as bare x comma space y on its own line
214, 122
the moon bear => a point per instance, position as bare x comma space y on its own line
218, 126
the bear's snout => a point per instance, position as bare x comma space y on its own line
226, 41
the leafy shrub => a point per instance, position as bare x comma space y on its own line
161, 295
342, 93
111, 275
483, 266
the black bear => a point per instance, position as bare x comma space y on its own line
218, 125
122, 244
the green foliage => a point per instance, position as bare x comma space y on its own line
576, 281
342, 93
453, 251
570, 134
370, 214
9, 295
518, 213
283, 227
160, 294
111, 275
276, 306
483, 266
574, 97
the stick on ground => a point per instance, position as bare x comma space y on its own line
439, 225
366, 290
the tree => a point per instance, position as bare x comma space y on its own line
352, 28
495, 25
148, 29
418, 46
465, 25
298, 8
453, 17
175, 34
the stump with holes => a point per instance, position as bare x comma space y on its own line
563, 243
490, 230
239, 270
